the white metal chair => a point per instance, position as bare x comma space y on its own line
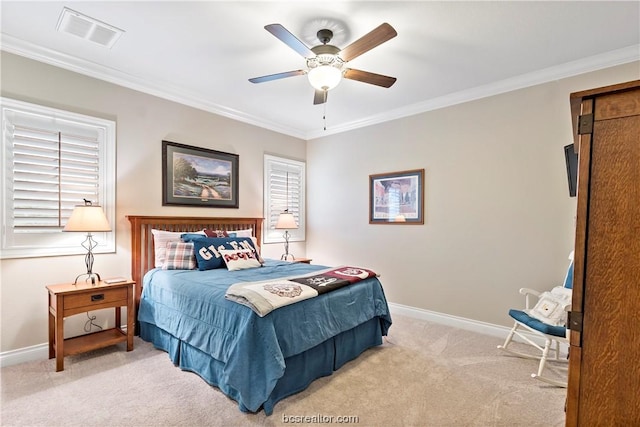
529, 325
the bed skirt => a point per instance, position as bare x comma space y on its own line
300, 371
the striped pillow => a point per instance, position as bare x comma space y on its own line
179, 256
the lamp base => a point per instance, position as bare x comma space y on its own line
286, 253
91, 277
89, 244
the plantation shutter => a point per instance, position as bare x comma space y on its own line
52, 172
284, 190
52, 160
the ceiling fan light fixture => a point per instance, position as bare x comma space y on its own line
324, 77
325, 69
326, 62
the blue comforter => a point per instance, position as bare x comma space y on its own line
190, 305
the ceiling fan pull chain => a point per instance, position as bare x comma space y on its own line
324, 114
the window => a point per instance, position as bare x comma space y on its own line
284, 188
52, 160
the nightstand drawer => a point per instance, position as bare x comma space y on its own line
95, 298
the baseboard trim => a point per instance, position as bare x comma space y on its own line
462, 323
450, 320
26, 354
41, 351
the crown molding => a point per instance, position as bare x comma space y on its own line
160, 89
173, 93
569, 69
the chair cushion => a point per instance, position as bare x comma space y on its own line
568, 278
524, 318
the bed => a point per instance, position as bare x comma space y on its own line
257, 361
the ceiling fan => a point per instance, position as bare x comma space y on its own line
326, 63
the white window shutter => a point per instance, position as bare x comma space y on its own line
284, 189
52, 160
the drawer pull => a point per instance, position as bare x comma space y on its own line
98, 297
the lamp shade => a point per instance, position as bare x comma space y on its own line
87, 218
286, 221
324, 77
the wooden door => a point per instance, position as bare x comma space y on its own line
604, 366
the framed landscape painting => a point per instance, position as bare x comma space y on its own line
193, 176
397, 197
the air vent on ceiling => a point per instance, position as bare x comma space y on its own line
80, 25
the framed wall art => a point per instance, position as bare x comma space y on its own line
193, 176
397, 197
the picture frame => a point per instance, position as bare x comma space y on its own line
194, 176
397, 197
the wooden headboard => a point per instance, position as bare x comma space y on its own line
142, 253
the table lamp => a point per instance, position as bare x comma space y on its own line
88, 218
286, 222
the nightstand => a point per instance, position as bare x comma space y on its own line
303, 260
67, 299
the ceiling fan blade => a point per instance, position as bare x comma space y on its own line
320, 97
289, 39
367, 77
367, 42
277, 76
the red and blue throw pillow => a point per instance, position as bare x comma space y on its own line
207, 250
239, 259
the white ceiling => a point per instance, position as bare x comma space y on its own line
202, 53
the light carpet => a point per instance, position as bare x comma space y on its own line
425, 374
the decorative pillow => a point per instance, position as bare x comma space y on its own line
240, 259
222, 233
551, 306
241, 233
208, 249
215, 233
190, 237
160, 240
179, 256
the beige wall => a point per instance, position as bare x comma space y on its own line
143, 121
498, 215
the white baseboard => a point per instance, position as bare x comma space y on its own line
450, 320
41, 351
28, 354
463, 323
